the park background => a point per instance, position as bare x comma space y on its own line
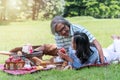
28, 21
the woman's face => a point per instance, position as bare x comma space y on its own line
73, 44
62, 29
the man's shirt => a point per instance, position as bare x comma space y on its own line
65, 42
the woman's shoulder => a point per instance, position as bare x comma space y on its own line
93, 48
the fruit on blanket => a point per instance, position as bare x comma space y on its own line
44, 63
13, 63
63, 50
11, 57
50, 66
39, 67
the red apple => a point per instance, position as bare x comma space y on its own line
63, 50
10, 58
19, 59
13, 60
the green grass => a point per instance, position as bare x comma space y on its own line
38, 32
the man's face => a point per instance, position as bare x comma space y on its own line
62, 29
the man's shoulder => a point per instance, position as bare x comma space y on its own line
76, 26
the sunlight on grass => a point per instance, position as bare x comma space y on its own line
38, 32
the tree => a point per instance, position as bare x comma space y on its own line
3, 9
52, 8
95, 8
34, 9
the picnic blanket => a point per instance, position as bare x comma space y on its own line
94, 65
20, 72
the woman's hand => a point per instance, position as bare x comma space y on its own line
64, 56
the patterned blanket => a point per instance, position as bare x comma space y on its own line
19, 72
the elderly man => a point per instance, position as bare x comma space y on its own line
64, 30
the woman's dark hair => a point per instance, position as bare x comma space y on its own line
83, 50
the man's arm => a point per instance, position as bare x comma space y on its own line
100, 51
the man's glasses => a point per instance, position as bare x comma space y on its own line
61, 30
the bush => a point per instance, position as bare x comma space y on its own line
95, 8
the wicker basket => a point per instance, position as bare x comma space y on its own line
14, 65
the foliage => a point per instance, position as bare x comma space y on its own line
33, 9
95, 8
52, 8
16, 10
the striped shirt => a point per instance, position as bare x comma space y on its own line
65, 42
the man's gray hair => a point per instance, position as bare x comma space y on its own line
56, 20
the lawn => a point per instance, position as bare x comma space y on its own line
38, 32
